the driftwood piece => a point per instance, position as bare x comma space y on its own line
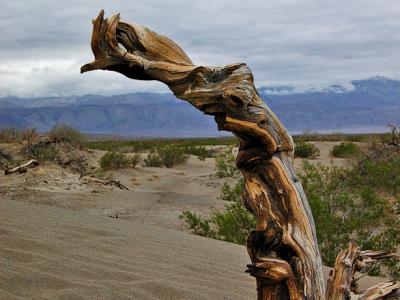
283, 248
22, 168
342, 282
115, 183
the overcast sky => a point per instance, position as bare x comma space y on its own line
285, 42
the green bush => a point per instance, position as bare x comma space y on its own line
305, 150
361, 203
43, 152
200, 151
172, 156
235, 222
347, 207
232, 191
231, 225
198, 225
225, 164
67, 134
168, 156
116, 160
153, 159
345, 149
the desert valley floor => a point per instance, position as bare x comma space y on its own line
62, 239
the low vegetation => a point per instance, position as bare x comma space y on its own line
200, 151
235, 222
168, 156
305, 150
149, 144
10, 135
360, 203
345, 150
5, 157
309, 136
225, 164
153, 159
67, 134
116, 160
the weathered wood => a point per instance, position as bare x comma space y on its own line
22, 168
341, 282
283, 248
385, 290
115, 183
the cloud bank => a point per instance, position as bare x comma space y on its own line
287, 42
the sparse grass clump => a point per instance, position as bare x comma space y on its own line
305, 150
67, 134
345, 150
116, 160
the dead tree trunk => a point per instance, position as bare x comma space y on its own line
283, 248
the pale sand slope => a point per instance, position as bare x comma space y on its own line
56, 253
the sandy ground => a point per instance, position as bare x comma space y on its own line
59, 238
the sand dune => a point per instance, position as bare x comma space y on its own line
57, 240
50, 252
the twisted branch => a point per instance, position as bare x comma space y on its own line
283, 248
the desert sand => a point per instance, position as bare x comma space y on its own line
62, 239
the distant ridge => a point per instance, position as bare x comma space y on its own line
366, 107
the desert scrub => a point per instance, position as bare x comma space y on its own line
67, 134
153, 159
231, 225
305, 150
346, 206
5, 158
200, 151
141, 145
10, 135
345, 150
360, 203
116, 160
172, 156
43, 152
225, 164
168, 156
232, 191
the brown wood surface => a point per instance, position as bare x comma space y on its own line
283, 248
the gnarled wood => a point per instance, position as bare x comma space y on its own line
341, 282
22, 168
115, 183
283, 248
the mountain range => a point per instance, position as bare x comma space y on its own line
367, 106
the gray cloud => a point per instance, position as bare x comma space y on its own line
318, 42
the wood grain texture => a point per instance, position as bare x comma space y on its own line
283, 248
